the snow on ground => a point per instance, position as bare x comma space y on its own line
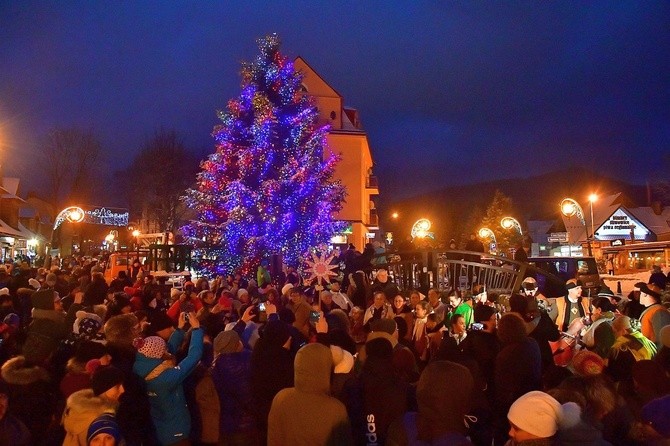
627, 281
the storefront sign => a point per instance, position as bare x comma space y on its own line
620, 224
617, 242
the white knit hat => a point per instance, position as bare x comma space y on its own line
34, 284
343, 361
541, 415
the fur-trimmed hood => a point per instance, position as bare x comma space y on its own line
15, 372
85, 401
82, 408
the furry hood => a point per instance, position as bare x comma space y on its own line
85, 401
82, 408
15, 372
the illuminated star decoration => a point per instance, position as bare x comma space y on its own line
320, 268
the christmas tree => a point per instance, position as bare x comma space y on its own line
268, 188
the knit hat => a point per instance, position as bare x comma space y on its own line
4, 291
174, 293
159, 321
119, 329
343, 361
241, 291
665, 336
151, 347
286, 288
227, 342
541, 415
386, 325
276, 332
34, 284
104, 424
51, 279
104, 378
44, 299
657, 414
588, 363
87, 325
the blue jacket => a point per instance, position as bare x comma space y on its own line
166, 395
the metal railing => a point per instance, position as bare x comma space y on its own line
450, 270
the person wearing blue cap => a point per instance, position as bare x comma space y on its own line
104, 431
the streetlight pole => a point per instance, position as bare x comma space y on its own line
592, 199
569, 208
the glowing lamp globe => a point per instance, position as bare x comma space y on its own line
568, 209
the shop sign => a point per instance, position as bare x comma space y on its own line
620, 224
618, 242
558, 237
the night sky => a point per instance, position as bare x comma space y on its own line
449, 92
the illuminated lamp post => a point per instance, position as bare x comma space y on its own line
511, 222
72, 214
570, 208
136, 234
420, 228
592, 199
486, 233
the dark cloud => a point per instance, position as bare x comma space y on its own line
449, 92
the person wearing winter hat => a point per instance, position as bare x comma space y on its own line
78, 377
655, 316
87, 326
34, 284
230, 374
84, 406
535, 417
104, 431
48, 327
160, 324
164, 379
586, 363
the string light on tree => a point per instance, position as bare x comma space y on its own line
268, 188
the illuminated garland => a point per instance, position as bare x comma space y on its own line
268, 188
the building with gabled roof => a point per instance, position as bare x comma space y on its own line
347, 138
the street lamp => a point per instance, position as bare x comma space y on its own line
570, 208
592, 199
136, 234
420, 228
395, 215
511, 222
486, 233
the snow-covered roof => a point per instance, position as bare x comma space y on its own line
658, 224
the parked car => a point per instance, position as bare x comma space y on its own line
583, 269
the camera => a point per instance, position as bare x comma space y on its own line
477, 326
185, 316
314, 316
261, 306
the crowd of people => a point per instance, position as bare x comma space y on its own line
240, 361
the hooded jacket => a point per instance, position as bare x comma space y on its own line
306, 414
32, 396
164, 388
82, 408
442, 407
